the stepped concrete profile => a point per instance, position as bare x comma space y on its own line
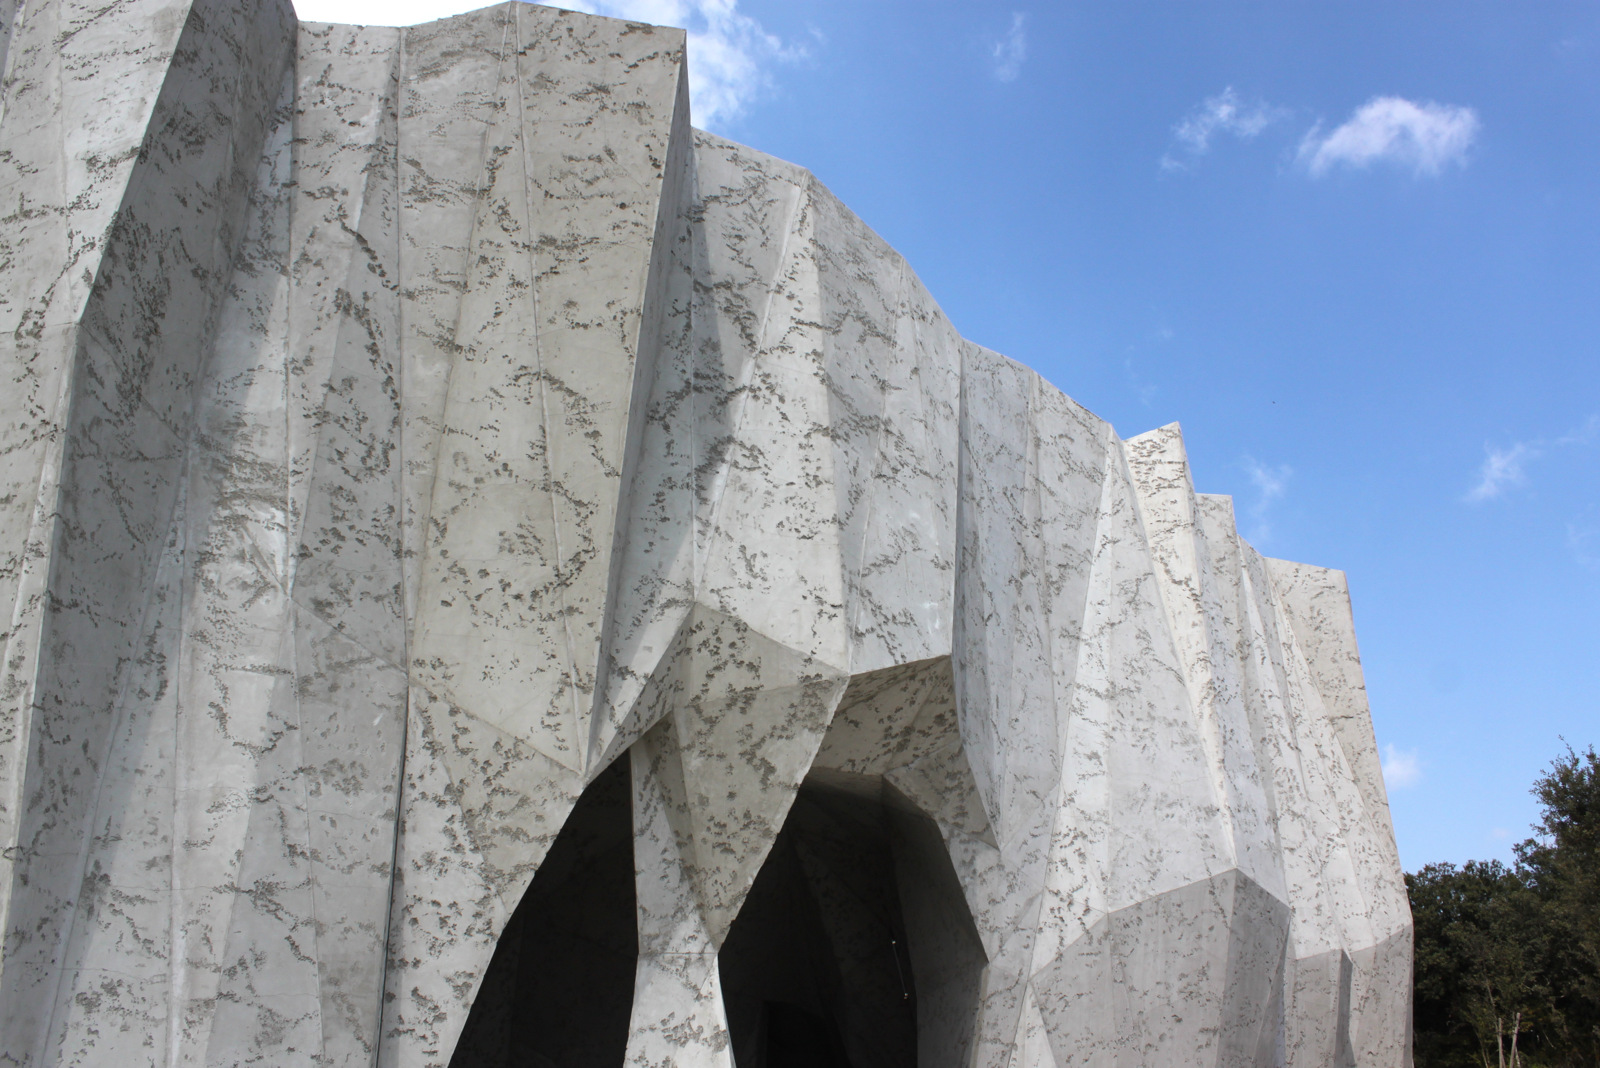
497, 576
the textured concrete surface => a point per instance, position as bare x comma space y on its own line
403, 428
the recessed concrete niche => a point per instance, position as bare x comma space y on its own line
456, 517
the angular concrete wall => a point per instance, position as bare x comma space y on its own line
401, 427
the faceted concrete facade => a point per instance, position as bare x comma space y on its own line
402, 429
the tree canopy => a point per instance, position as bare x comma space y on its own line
1508, 957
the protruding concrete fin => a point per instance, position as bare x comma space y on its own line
768, 540
1203, 632
652, 575
1003, 662
753, 717
891, 363
521, 515
345, 486
1131, 683
1316, 601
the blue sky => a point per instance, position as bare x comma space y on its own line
1354, 248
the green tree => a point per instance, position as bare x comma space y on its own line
1478, 964
1561, 866
1509, 954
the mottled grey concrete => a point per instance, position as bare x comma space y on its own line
402, 426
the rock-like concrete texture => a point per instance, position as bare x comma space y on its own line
404, 430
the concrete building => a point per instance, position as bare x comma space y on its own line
496, 576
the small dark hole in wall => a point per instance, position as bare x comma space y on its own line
559, 990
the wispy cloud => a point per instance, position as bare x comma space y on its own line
1225, 113
1423, 137
1506, 468
1502, 469
1011, 49
730, 55
1271, 483
1585, 434
1401, 768
1584, 541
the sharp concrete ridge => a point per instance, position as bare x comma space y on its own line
414, 437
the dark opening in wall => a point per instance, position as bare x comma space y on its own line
559, 990
855, 948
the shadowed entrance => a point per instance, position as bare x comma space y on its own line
560, 987
856, 902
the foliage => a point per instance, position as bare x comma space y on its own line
1516, 949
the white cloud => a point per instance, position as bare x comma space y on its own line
1401, 768
1584, 541
730, 55
1502, 469
1224, 113
1424, 137
1271, 483
1010, 50
1505, 468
